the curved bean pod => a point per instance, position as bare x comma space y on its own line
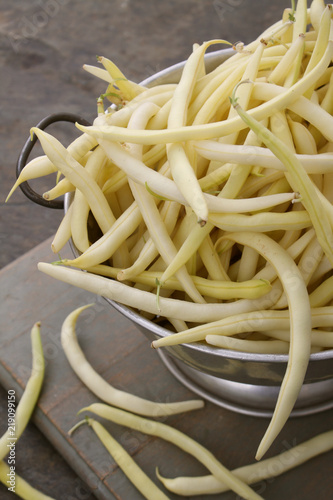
135, 474
146, 301
22, 488
213, 130
300, 328
253, 473
31, 392
179, 439
102, 389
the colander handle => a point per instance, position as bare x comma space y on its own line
28, 147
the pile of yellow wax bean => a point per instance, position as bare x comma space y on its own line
212, 197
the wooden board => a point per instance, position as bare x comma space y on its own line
122, 355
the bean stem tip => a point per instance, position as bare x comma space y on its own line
78, 424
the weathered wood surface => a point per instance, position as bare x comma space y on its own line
122, 355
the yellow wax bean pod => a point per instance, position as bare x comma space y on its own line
182, 170
322, 338
255, 155
159, 99
184, 176
148, 251
135, 474
253, 321
101, 73
301, 15
323, 294
250, 72
214, 78
323, 268
81, 207
317, 8
240, 173
179, 439
287, 18
101, 388
203, 108
63, 233
305, 143
282, 100
62, 187
120, 117
208, 85
167, 189
303, 139
184, 227
280, 71
299, 180
260, 320
327, 105
276, 30
319, 338
220, 289
79, 222
262, 222
42, 165
154, 155
78, 175
150, 212
307, 265
256, 183
183, 92
127, 88
248, 264
299, 28
30, 394
161, 238
114, 183
160, 120
146, 301
211, 260
188, 248
22, 488
221, 204
303, 107
245, 345
321, 42
294, 250
111, 241
300, 328
233, 222
255, 472
244, 94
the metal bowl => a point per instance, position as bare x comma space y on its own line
242, 382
